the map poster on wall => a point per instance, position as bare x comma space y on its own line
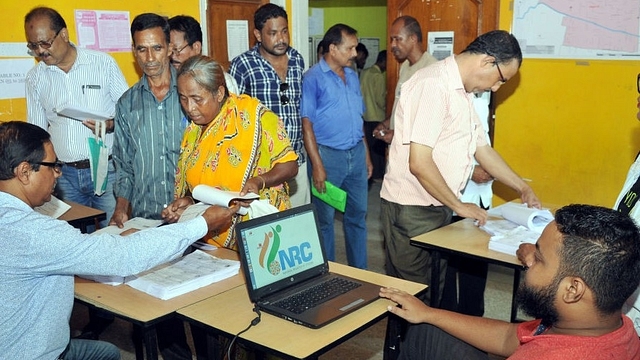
106, 31
578, 29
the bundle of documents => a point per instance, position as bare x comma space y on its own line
510, 241
183, 275
521, 224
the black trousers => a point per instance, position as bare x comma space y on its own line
464, 285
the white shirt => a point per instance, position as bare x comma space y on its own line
94, 82
632, 305
474, 192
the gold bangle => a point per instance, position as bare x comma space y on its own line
264, 182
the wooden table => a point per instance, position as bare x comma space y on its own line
80, 216
463, 238
146, 311
230, 312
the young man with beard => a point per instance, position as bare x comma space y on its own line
272, 72
576, 300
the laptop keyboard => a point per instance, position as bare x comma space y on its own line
309, 298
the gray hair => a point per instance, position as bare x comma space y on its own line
206, 72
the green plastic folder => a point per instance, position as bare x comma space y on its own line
333, 195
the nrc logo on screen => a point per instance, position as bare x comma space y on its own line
275, 259
295, 255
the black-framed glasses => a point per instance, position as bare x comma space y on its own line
638, 84
284, 99
43, 44
178, 51
502, 79
56, 166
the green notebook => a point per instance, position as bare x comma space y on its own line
333, 195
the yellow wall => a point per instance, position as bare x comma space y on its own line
13, 13
569, 126
369, 21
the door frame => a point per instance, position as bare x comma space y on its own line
298, 17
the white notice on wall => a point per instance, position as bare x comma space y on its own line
106, 31
13, 73
440, 44
237, 37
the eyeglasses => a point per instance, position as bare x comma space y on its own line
502, 79
284, 99
638, 85
178, 51
43, 44
57, 165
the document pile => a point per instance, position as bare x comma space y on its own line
520, 225
183, 275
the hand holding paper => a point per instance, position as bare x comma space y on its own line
211, 195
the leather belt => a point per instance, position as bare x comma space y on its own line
81, 164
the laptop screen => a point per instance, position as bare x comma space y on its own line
280, 246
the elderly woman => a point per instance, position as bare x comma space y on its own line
233, 143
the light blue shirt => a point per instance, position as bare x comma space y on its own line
334, 107
39, 257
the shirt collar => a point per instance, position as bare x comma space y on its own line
174, 79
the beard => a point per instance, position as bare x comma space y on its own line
539, 302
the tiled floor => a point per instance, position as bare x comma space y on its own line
368, 344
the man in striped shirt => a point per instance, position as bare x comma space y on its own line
149, 127
437, 134
69, 75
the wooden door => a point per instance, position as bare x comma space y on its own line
218, 12
467, 18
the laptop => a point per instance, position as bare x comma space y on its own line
282, 257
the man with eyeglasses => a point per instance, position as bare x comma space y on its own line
272, 72
69, 75
437, 135
40, 255
186, 37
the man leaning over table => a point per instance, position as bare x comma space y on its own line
41, 254
69, 75
437, 134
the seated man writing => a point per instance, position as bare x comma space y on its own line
584, 266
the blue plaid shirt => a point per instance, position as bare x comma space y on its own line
256, 77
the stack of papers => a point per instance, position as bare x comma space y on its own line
183, 275
80, 113
509, 242
520, 225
